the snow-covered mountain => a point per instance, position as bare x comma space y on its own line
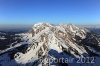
53, 45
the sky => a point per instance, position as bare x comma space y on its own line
52, 11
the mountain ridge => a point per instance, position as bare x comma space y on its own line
48, 41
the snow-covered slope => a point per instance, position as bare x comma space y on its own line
46, 42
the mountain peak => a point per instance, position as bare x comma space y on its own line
40, 24
50, 41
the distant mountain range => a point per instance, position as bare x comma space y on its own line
15, 28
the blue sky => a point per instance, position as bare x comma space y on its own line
53, 11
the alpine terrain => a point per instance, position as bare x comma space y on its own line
53, 45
